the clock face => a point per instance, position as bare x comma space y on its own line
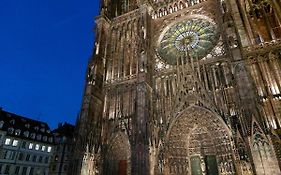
193, 37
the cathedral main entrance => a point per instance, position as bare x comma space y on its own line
118, 157
198, 143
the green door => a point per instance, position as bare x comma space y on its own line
211, 165
195, 165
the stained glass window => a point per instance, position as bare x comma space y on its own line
193, 37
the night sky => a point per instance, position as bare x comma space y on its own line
44, 49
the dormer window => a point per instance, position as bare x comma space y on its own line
10, 130
27, 125
48, 131
39, 136
1, 124
17, 132
26, 133
42, 129
12, 122
32, 135
45, 138
36, 128
50, 139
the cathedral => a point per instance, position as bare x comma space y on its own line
182, 87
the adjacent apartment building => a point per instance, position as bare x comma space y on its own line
26, 145
62, 152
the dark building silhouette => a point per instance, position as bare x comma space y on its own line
62, 153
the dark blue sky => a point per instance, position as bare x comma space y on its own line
44, 49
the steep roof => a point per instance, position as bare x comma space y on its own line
65, 129
26, 128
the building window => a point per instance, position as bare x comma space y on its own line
20, 156
43, 148
10, 130
49, 149
31, 171
27, 125
37, 147
7, 170
12, 122
13, 155
17, 170
40, 159
30, 146
24, 169
7, 141
56, 158
50, 139
17, 132
1, 124
46, 159
10, 155
26, 133
38, 137
7, 154
32, 135
23, 144
42, 129
45, 138
34, 158
15, 143
27, 158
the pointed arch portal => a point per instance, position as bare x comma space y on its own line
117, 160
198, 142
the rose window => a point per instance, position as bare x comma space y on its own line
192, 37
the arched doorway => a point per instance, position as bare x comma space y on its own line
198, 143
117, 160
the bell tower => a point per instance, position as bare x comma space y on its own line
182, 87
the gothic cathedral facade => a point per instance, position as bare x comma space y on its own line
183, 87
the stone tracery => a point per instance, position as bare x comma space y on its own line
195, 36
192, 110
